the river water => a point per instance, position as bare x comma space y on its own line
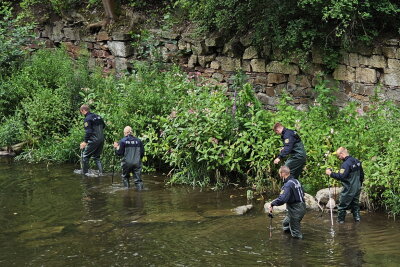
50, 216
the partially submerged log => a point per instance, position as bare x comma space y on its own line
12, 150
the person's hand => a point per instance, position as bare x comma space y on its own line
328, 171
116, 145
277, 160
83, 145
271, 209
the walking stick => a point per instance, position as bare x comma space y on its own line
329, 201
113, 163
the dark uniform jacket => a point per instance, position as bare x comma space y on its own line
291, 192
292, 144
351, 175
94, 126
132, 150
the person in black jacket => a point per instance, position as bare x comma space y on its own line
351, 175
293, 148
293, 195
131, 150
94, 139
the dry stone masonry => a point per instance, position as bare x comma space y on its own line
358, 75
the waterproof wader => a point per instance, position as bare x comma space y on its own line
346, 202
136, 171
297, 160
93, 149
291, 222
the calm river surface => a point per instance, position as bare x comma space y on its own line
52, 217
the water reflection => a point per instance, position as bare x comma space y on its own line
65, 219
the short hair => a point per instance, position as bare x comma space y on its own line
85, 107
284, 169
128, 130
342, 150
277, 125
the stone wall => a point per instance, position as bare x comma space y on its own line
212, 57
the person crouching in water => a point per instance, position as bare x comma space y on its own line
292, 194
131, 150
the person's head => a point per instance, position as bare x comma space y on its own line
84, 109
278, 128
342, 153
127, 130
284, 172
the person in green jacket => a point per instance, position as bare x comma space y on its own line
351, 174
293, 149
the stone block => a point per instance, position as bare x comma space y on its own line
353, 60
301, 80
246, 66
102, 36
229, 64
192, 61
392, 42
257, 65
250, 53
215, 65
374, 61
394, 64
182, 45
120, 49
389, 51
392, 77
266, 100
261, 79
121, 64
266, 51
171, 47
215, 40
365, 75
280, 67
89, 38
121, 36
344, 73
71, 34
169, 35
276, 78
199, 48
57, 32
270, 91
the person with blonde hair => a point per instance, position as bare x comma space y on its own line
131, 150
351, 175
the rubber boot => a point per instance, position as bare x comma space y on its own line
85, 166
125, 181
341, 216
356, 215
99, 167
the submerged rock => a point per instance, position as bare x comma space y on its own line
277, 209
311, 203
242, 209
322, 195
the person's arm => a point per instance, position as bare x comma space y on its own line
343, 173
121, 148
282, 198
88, 130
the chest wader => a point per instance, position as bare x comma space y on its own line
295, 213
350, 197
94, 149
131, 163
297, 160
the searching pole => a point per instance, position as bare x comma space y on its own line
329, 201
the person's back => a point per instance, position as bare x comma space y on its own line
133, 151
97, 127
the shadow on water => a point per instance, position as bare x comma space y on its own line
52, 217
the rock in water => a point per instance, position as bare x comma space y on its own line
242, 209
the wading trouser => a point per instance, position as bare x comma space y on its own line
295, 213
296, 165
136, 170
93, 149
349, 202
